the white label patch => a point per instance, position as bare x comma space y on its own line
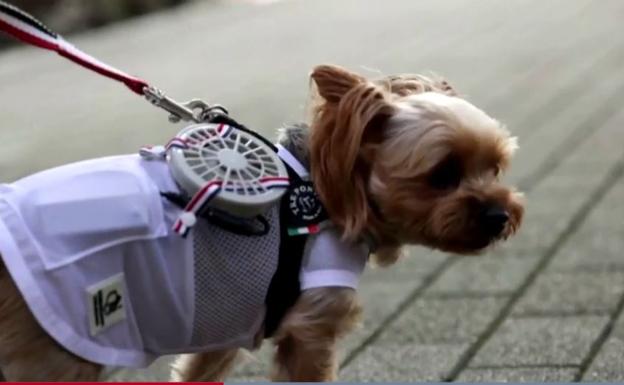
106, 301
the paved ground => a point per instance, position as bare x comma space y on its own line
546, 306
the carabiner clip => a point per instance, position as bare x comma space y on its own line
194, 110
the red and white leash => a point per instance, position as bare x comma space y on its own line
24, 27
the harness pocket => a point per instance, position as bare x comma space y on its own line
80, 213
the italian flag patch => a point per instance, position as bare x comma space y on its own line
310, 229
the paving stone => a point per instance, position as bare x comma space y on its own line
434, 321
573, 292
546, 209
417, 262
607, 214
534, 237
382, 290
379, 299
548, 140
592, 249
599, 242
618, 328
541, 341
552, 374
404, 363
601, 148
547, 213
487, 274
546, 216
608, 365
532, 101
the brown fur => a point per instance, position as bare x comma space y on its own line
27, 353
205, 367
377, 150
375, 144
307, 338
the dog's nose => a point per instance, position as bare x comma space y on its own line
494, 219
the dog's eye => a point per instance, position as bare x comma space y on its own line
447, 175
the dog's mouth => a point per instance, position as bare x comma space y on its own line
495, 226
473, 241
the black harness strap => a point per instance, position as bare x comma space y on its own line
285, 288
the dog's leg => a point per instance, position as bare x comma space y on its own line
27, 353
306, 339
204, 367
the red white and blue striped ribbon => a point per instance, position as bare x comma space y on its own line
224, 130
188, 218
177, 143
274, 182
26, 28
158, 152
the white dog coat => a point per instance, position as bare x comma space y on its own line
91, 250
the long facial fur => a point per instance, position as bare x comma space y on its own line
375, 145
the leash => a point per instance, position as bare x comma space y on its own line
28, 29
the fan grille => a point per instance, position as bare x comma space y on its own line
208, 153
252, 175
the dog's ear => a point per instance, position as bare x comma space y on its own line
333, 82
343, 139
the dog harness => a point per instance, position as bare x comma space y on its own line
96, 250
91, 248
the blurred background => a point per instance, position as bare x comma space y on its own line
546, 306
71, 16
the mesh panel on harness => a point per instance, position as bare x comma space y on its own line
232, 276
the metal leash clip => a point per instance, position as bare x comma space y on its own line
195, 110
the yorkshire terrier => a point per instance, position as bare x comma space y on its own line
397, 161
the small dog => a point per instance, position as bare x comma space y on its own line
396, 161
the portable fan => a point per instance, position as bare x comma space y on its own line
249, 173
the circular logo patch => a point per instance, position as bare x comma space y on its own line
304, 204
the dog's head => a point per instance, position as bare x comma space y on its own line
405, 161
